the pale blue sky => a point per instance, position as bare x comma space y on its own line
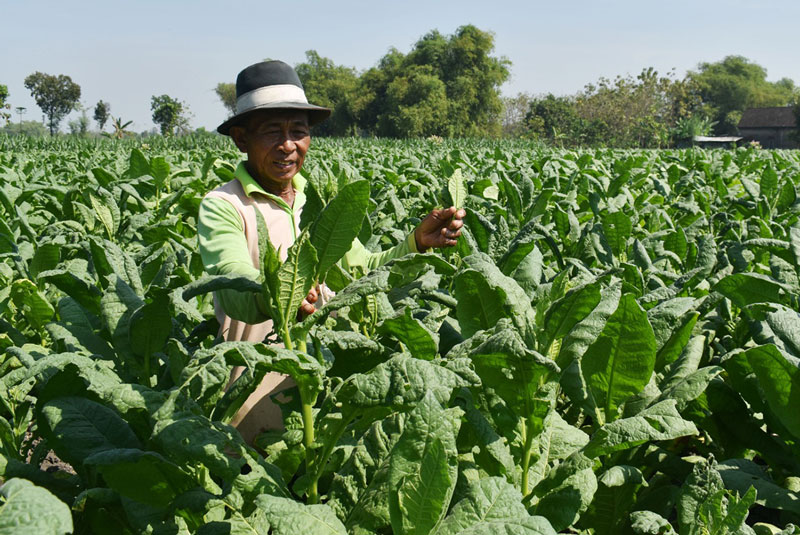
125, 51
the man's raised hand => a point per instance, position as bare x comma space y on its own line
440, 228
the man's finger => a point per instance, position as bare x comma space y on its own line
312, 296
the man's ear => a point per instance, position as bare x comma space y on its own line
239, 136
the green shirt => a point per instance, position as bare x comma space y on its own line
224, 249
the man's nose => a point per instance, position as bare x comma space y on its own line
286, 143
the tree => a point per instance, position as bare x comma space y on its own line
402, 86
332, 86
417, 105
631, 111
227, 94
169, 114
3, 104
102, 110
555, 119
56, 95
730, 86
515, 109
25, 128
80, 126
119, 128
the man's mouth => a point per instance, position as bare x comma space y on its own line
283, 164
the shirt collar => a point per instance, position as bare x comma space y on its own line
250, 186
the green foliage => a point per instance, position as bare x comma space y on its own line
119, 127
730, 86
3, 104
56, 95
624, 112
612, 347
27, 509
102, 111
25, 128
169, 114
332, 86
447, 86
227, 95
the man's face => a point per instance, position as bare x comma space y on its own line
276, 142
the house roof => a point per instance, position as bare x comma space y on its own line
717, 139
782, 117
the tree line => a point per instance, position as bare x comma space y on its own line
650, 109
58, 95
449, 86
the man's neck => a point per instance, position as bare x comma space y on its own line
285, 192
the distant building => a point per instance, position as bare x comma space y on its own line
771, 127
716, 142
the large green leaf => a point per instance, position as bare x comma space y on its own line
31, 302
617, 229
740, 474
566, 312
400, 383
26, 509
150, 326
566, 492
79, 427
749, 288
288, 517
420, 341
157, 481
515, 372
423, 468
338, 225
296, 276
620, 362
658, 422
780, 384
106, 210
492, 505
485, 295
457, 189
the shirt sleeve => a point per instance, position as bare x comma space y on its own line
223, 250
358, 255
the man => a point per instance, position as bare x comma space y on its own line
272, 126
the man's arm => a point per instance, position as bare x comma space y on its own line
223, 249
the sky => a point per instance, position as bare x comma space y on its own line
125, 51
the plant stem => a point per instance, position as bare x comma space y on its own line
308, 443
330, 445
287, 338
526, 455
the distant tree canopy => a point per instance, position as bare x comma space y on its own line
446, 86
170, 114
730, 86
25, 128
56, 95
3, 104
651, 110
227, 94
636, 111
332, 86
102, 111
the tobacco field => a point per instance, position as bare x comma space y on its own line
612, 348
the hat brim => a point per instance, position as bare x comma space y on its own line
316, 114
